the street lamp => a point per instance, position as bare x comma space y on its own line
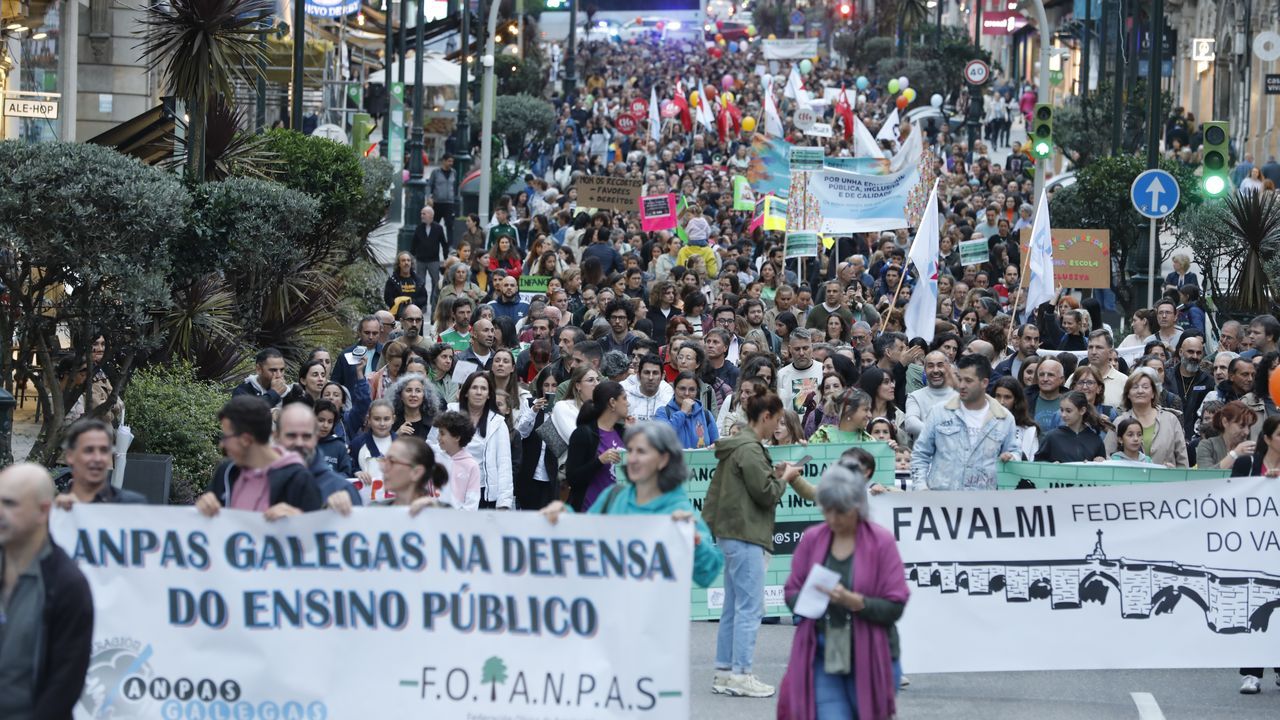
417, 184
486, 117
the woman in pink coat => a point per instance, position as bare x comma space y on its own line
845, 664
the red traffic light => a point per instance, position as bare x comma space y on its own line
846, 9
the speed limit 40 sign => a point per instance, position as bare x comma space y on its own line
976, 72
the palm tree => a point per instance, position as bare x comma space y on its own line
201, 47
1254, 219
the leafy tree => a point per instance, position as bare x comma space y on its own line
495, 671
1082, 126
87, 251
518, 75
519, 120
1236, 241
202, 47
1100, 199
172, 412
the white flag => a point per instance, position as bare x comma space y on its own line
772, 123
795, 86
1040, 261
704, 110
909, 154
655, 118
889, 131
922, 308
863, 144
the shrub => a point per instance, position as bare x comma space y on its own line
173, 413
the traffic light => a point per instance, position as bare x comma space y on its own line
846, 10
1042, 130
1216, 151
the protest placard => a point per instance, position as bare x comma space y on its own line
657, 212
1081, 258
608, 193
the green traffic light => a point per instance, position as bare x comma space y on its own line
1042, 149
1214, 185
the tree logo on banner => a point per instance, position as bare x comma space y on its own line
494, 672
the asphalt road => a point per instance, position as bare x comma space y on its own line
1096, 695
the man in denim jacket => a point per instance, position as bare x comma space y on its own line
964, 437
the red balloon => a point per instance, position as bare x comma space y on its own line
1273, 383
902, 103
716, 52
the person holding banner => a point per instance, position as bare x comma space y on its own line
963, 438
739, 508
844, 664
411, 475
655, 475
1265, 462
1162, 435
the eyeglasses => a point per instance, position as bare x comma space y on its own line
394, 461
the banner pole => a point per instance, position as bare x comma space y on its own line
1013, 315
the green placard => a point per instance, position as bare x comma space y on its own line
1028, 475
355, 94
534, 283
973, 252
806, 158
794, 514
801, 245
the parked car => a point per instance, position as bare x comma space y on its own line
730, 29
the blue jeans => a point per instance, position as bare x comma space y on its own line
743, 605
1106, 297
836, 696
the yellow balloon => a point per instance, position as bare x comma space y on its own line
726, 98
748, 124
909, 94
772, 36
693, 99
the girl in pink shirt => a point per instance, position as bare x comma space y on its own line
455, 431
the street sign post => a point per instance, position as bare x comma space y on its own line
1154, 194
976, 72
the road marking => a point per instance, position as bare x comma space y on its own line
1148, 709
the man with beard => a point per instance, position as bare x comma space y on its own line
297, 431
89, 448
646, 390
937, 391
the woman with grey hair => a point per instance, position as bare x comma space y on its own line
656, 473
615, 366
416, 402
845, 663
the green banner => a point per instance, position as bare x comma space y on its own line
1043, 476
794, 514
743, 198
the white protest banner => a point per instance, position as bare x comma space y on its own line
790, 49
851, 202
449, 615
1160, 575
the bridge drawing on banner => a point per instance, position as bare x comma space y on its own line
1233, 601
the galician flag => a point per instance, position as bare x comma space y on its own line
1040, 257
655, 118
922, 308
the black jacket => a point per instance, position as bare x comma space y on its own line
530, 448
66, 640
249, 387
430, 244
1062, 444
583, 461
1190, 392
291, 484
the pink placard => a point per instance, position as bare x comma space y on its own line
657, 212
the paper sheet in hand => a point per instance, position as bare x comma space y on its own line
463, 370
812, 602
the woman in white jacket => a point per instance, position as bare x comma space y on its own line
491, 445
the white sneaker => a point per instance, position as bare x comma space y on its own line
904, 682
1251, 685
746, 685
720, 682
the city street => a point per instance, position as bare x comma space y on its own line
1098, 695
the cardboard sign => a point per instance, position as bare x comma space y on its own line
657, 212
1081, 258
608, 193
775, 213
534, 283
820, 129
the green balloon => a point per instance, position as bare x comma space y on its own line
893, 86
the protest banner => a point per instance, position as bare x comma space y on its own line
533, 285
608, 193
793, 516
657, 212
743, 198
1168, 575
1039, 475
379, 615
801, 245
852, 203
775, 213
790, 49
1081, 258
973, 252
